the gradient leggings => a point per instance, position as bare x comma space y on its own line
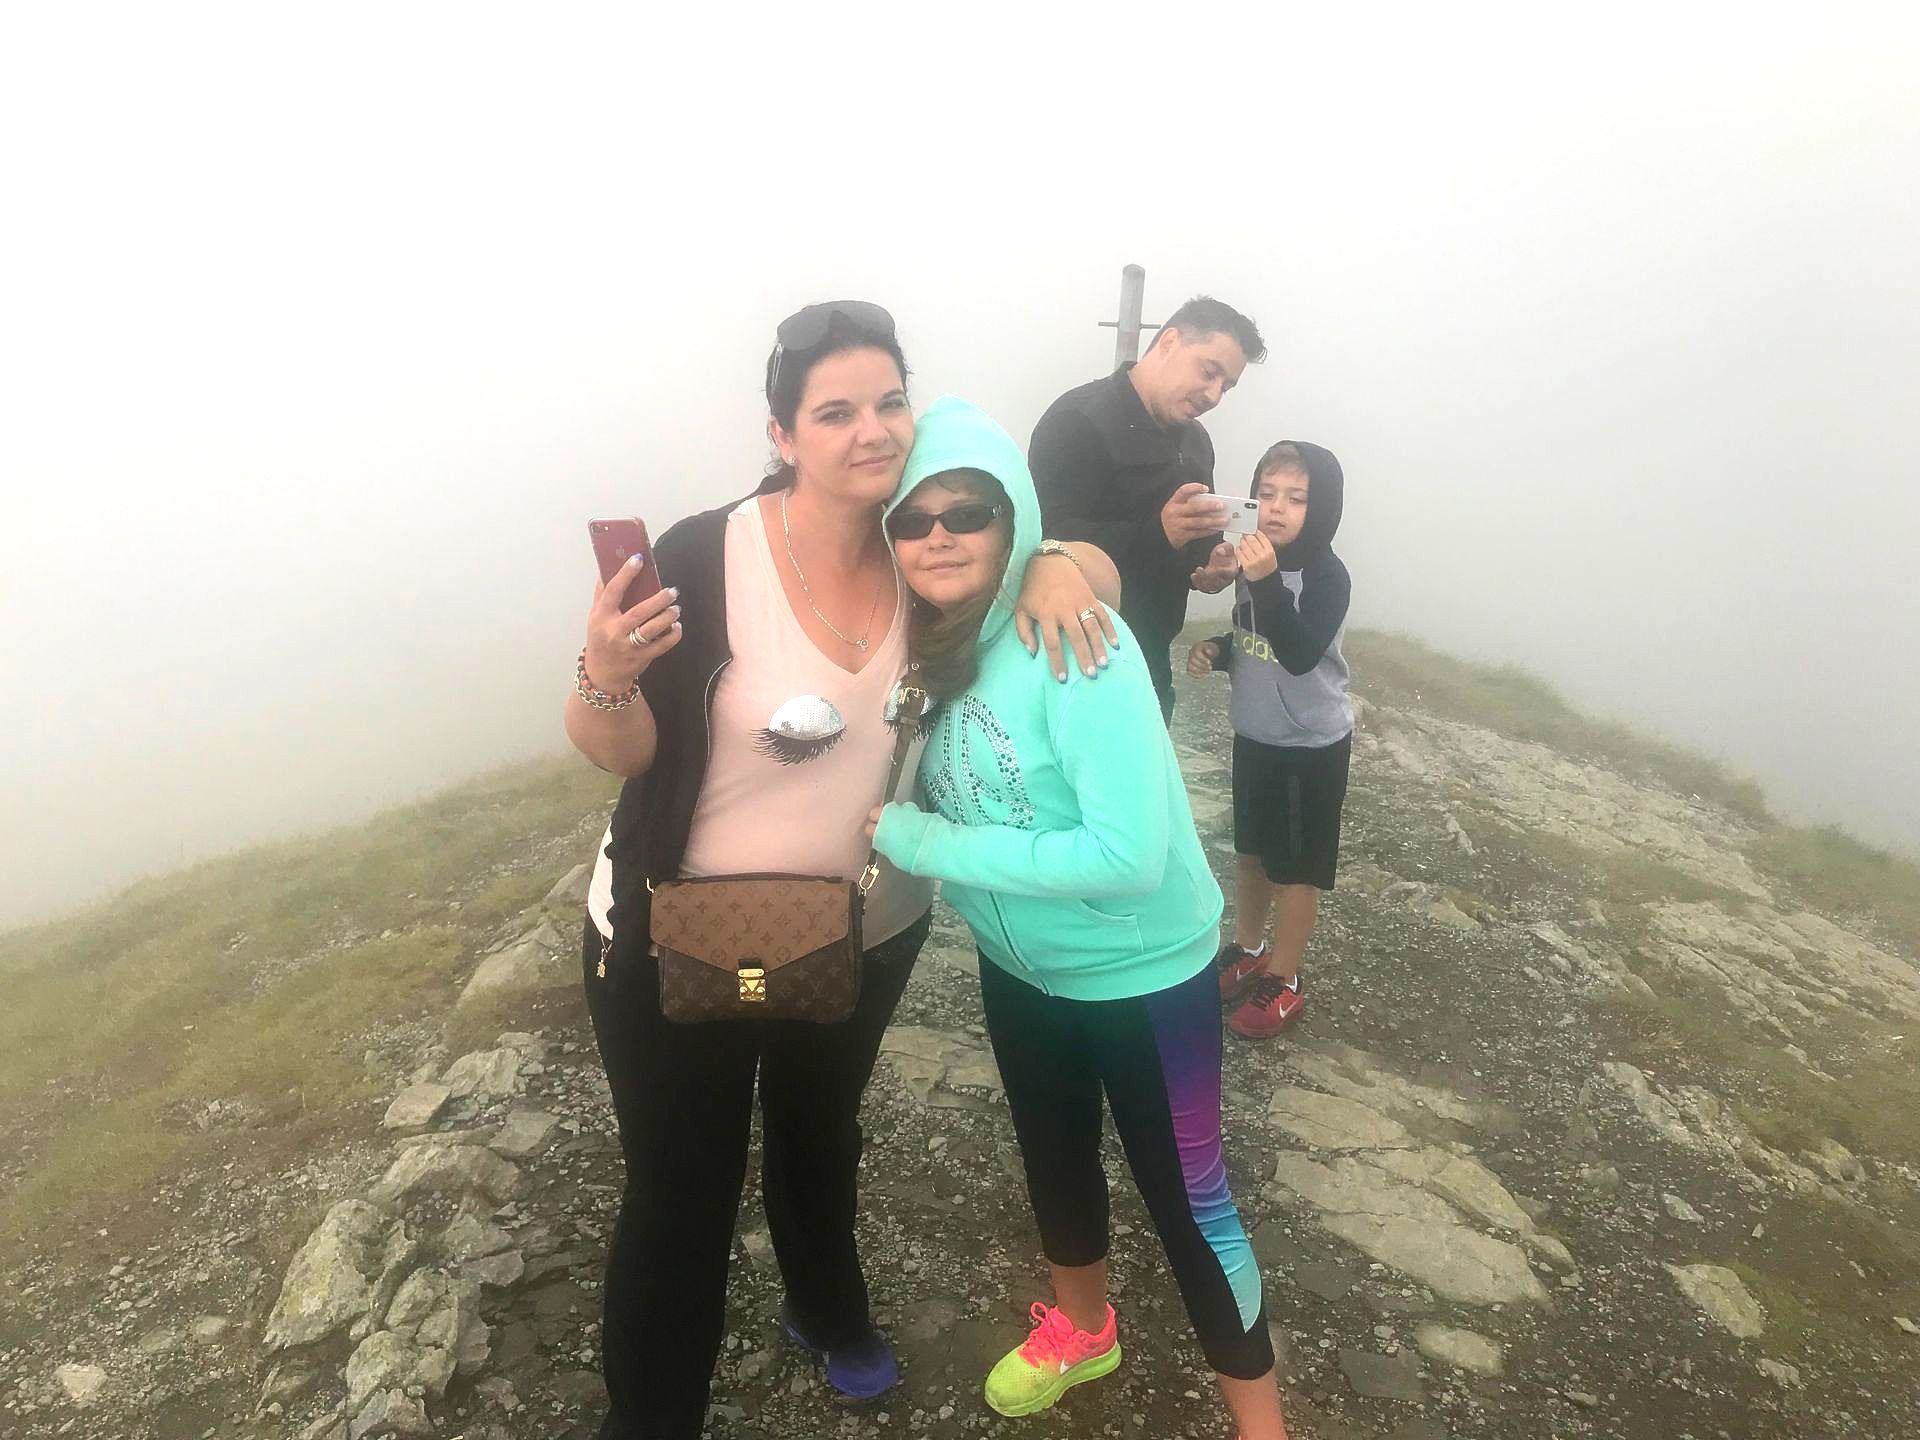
1157, 1057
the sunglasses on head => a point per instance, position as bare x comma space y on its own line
806, 329
958, 520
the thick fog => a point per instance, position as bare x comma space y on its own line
321, 341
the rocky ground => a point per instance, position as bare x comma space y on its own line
1480, 1205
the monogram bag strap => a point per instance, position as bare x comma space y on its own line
909, 705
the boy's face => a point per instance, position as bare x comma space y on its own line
1283, 505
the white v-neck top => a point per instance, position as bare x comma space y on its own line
800, 807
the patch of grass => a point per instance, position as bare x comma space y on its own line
1828, 868
108, 990
251, 976
1627, 876
89, 1170
1398, 668
1872, 1106
1833, 870
288, 1038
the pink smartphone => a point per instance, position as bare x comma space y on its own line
614, 543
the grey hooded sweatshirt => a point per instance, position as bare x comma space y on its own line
1289, 675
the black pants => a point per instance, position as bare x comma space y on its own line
683, 1096
1157, 1057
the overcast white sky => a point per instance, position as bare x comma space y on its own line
322, 335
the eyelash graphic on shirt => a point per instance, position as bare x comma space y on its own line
804, 728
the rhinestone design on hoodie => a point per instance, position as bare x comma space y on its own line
974, 767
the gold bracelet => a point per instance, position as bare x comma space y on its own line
1057, 547
600, 699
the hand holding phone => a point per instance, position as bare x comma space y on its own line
615, 542
1243, 516
633, 621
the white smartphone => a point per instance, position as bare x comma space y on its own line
1243, 515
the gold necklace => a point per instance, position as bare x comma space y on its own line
786, 532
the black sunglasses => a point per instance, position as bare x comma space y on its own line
805, 329
959, 520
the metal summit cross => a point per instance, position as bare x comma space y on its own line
1126, 344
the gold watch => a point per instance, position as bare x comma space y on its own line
1057, 547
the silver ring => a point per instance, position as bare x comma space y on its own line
1086, 614
636, 639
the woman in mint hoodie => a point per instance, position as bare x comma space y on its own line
1058, 821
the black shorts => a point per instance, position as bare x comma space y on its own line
1286, 808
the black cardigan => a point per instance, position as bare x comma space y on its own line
655, 813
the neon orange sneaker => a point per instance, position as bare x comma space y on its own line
1053, 1359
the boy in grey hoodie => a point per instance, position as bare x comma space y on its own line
1293, 729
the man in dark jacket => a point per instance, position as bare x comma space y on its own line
1123, 463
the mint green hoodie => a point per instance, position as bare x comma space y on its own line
1061, 828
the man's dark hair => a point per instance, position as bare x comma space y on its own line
1203, 315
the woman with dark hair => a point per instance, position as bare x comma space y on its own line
747, 705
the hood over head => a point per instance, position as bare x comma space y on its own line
952, 434
1326, 498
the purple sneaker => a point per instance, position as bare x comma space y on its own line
863, 1370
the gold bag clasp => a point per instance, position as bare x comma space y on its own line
753, 984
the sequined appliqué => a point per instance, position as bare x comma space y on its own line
803, 729
972, 775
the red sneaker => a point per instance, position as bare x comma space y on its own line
1271, 1005
1237, 969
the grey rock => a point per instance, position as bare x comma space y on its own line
440, 1312
474, 1135
499, 1271
209, 1328
1357, 1075
1462, 1349
385, 1361
1681, 1210
484, 1075
1459, 1178
330, 1426
1581, 1398
570, 891
1382, 1377
1445, 912
419, 1295
397, 1257
1837, 1163
1552, 1250
1333, 1122
82, 1383
468, 1237
1601, 1179
1781, 1373
499, 1390
447, 1170
927, 1060
390, 1412
416, 1106
1722, 1297
531, 1047
522, 967
330, 1283
1906, 1326
523, 1133
1329, 1282
1416, 1233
